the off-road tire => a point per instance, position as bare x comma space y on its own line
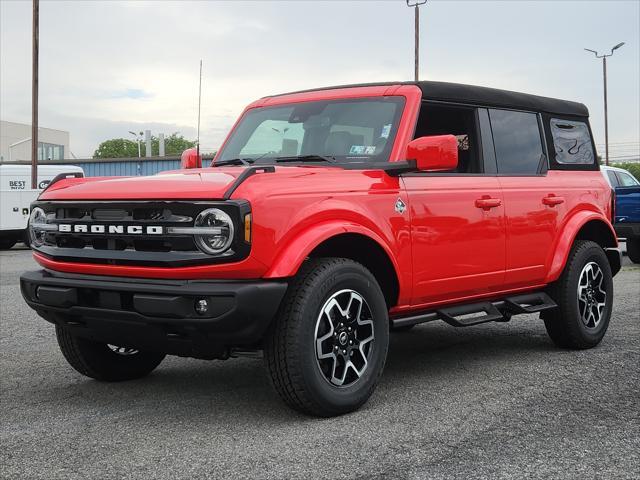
633, 249
564, 324
290, 344
99, 361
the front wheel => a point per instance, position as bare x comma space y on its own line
327, 347
109, 363
584, 294
633, 249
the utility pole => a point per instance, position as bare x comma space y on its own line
604, 77
199, 103
415, 4
34, 95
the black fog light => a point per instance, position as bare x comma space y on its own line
201, 306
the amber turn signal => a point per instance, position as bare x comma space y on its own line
247, 228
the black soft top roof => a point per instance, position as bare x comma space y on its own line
460, 93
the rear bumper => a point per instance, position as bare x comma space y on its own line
627, 230
156, 315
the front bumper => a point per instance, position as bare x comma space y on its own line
156, 315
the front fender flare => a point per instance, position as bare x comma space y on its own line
291, 257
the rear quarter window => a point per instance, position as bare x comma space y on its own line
572, 142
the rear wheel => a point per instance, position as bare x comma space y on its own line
584, 294
109, 363
633, 249
326, 350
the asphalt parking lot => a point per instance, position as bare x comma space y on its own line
492, 401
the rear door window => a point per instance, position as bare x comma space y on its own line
517, 141
572, 142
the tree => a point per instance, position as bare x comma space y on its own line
116, 148
174, 144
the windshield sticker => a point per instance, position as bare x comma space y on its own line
362, 150
386, 130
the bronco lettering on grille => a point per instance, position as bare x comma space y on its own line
110, 229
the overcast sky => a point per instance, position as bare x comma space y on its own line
109, 67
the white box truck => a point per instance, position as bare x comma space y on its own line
16, 196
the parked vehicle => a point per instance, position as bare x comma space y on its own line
16, 196
327, 218
627, 208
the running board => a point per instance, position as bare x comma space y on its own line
470, 314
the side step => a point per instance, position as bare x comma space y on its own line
469, 314
530, 303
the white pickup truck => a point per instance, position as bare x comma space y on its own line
16, 196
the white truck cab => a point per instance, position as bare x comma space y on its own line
16, 196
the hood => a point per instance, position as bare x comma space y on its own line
175, 185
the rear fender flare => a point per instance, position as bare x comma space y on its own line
567, 237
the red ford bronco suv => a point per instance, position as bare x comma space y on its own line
328, 218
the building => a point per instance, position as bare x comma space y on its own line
15, 142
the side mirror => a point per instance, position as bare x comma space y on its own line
191, 159
434, 153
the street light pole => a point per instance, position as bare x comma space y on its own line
604, 78
416, 7
137, 141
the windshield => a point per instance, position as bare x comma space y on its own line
349, 130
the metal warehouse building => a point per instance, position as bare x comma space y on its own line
121, 167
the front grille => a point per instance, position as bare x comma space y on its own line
164, 215
141, 247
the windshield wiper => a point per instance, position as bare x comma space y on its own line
306, 158
234, 161
295, 158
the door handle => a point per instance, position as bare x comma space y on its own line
552, 200
488, 203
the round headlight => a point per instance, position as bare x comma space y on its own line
218, 222
37, 220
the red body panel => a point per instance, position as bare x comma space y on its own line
194, 184
461, 237
458, 247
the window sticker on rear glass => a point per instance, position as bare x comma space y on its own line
386, 130
572, 142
